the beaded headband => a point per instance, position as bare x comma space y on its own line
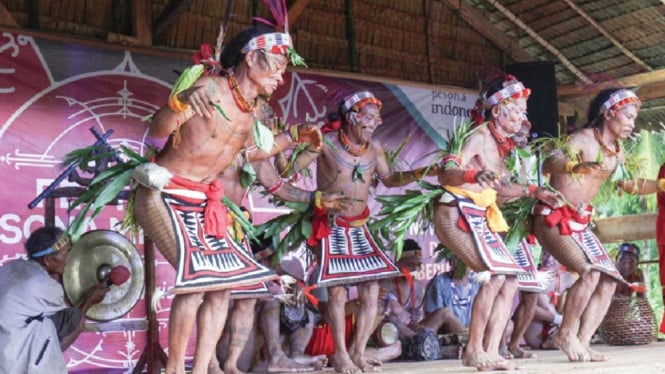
620, 99
359, 99
276, 42
627, 248
513, 89
61, 243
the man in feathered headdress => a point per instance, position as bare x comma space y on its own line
468, 220
210, 119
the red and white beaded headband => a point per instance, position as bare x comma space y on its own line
512, 91
358, 100
276, 42
620, 99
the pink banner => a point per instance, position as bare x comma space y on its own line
54, 93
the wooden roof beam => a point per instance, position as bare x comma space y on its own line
564, 61
169, 15
643, 80
296, 10
142, 21
478, 21
6, 18
606, 34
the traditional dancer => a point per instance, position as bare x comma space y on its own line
348, 163
467, 219
181, 207
592, 155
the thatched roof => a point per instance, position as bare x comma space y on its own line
593, 43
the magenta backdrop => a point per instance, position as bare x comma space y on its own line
52, 95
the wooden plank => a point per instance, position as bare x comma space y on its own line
642, 79
142, 21
172, 11
296, 10
626, 228
474, 18
6, 17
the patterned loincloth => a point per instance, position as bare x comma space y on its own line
349, 254
252, 291
574, 235
208, 262
489, 244
527, 282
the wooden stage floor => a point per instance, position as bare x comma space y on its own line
641, 359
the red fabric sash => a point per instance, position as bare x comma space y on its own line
321, 227
562, 217
216, 217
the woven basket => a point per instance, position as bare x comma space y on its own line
629, 321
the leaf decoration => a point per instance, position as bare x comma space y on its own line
187, 78
239, 217
263, 137
518, 216
106, 185
399, 212
247, 175
297, 225
294, 57
221, 111
357, 174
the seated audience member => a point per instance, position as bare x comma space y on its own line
400, 299
627, 260
284, 326
321, 342
37, 325
449, 300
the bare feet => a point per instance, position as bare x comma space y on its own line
506, 353
283, 364
572, 347
484, 362
596, 356
518, 352
366, 364
343, 364
232, 370
214, 367
318, 362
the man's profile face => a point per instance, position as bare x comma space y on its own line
622, 122
268, 70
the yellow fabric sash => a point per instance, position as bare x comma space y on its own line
484, 199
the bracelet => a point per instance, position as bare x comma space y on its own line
661, 184
177, 105
317, 200
529, 189
570, 167
275, 187
287, 133
451, 161
418, 173
470, 176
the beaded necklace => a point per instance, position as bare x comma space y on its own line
606, 149
238, 97
505, 144
351, 148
